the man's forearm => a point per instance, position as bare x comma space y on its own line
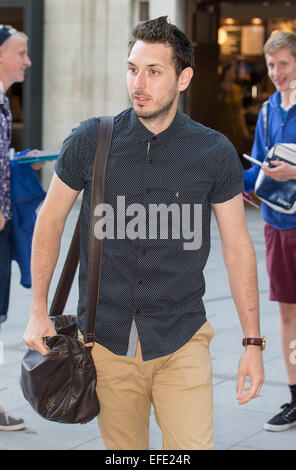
45, 252
242, 272
241, 265
240, 260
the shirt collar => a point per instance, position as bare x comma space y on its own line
4, 107
3, 99
143, 134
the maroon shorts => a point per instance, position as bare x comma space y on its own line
281, 263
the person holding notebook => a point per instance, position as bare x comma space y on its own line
280, 228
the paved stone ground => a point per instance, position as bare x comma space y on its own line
236, 427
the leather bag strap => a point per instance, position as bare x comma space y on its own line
67, 276
95, 245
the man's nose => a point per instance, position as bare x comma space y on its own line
140, 81
276, 70
28, 62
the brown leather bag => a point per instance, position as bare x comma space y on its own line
62, 385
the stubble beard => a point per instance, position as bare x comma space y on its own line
162, 110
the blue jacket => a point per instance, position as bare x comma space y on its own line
26, 196
280, 130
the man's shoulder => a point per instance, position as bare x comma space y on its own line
87, 131
203, 134
86, 128
91, 125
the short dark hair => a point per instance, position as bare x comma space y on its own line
160, 30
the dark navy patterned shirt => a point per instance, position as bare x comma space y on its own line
5, 138
151, 287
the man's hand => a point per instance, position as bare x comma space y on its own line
250, 365
2, 221
39, 327
37, 165
45, 252
281, 171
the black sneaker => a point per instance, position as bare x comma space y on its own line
286, 419
8, 423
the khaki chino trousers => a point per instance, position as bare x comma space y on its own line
178, 385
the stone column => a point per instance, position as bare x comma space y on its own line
85, 54
175, 9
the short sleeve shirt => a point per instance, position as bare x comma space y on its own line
5, 138
159, 189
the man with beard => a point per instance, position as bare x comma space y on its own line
152, 337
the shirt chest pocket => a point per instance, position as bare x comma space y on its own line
157, 195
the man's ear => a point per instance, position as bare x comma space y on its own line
185, 78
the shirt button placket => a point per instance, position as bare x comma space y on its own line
140, 282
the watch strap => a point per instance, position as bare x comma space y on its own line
255, 342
